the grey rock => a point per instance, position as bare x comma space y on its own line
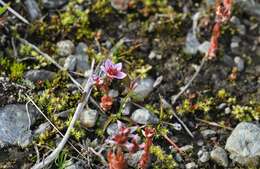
14, 125
192, 44
81, 48
204, 47
70, 63
88, 118
113, 93
154, 55
133, 159
53, 4
112, 129
258, 51
33, 9
227, 110
71, 165
127, 109
42, 128
241, 29
120, 5
235, 44
143, 89
82, 58
65, 48
191, 165
228, 60
240, 63
36, 75
203, 156
219, 155
187, 148
208, 133
178, 157
244, 144
143, 116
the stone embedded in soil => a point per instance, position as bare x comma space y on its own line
88, 118
244, 144
65, 48
36, 75
14, 125
240, 63
143, 116
203, 156
143, 89
133, 159
82, 58
32, 9
192, 44
228, 60
186, 148
191, 165
112, 129
219, 155
70, 63
120, 5
53, 4
208, 133
204, 47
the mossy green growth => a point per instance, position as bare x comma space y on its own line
164, 161
17, 71
14, 69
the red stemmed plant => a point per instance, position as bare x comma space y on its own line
145, 158
223, 13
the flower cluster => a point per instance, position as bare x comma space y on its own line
223, 13
111, 71
124, 139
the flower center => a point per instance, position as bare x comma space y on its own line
112, 71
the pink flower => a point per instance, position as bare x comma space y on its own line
97, 80
112, 70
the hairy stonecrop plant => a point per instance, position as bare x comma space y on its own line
126, 140
223, 13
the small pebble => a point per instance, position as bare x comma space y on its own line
143, 116
65, 48
219, 155
240, 63
191, 165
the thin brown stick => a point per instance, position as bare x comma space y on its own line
172, 143
213, 124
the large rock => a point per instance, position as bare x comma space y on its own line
14, 125
244, 144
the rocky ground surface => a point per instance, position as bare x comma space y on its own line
161, 44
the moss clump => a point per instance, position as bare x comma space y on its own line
164, 161
17, 71
14, 69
